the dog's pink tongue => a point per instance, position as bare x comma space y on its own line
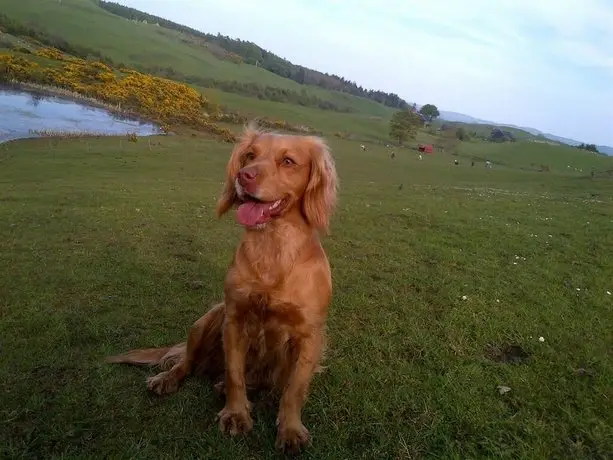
251, 214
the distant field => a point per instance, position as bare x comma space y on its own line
100, 245
561, 158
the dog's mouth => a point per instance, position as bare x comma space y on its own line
254, 212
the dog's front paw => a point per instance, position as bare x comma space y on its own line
163, 384
234, 421
292, 439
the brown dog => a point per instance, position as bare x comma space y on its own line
270, 329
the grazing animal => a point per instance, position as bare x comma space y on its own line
269, 332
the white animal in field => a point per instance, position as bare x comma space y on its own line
363, 147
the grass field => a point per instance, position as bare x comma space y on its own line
101, 249
523, 154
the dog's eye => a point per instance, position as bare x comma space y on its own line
250, 156
287, 161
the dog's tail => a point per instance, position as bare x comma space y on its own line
165, 357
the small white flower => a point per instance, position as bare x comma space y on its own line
464, 297
578, 289
497, 300
502, 389
514, 263
541, 339
608, 292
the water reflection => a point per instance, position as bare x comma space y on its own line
23, 113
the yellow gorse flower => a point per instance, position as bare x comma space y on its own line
161, 100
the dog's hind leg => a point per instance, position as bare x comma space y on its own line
203, 340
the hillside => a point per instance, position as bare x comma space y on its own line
238, 50
174, 53
237, 74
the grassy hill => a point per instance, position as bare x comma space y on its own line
529, 154
150, 47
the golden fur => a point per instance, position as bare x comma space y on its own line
270, 329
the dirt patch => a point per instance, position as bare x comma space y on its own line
507, 354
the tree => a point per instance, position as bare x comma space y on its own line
403, 125
461, 134
498, 135
448, 141
300, 75
430, 112
588, 147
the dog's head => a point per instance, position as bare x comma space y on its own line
270, 175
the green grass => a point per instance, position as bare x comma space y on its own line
99, 245
360, 125
84, 23
484, 130
560, 158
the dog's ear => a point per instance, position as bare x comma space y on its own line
320, 195
228, 195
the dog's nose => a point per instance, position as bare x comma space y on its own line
247, 175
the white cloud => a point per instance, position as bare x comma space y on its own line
536, 63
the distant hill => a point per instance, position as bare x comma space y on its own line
463, 118
605, 149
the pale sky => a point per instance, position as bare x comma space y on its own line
544, 64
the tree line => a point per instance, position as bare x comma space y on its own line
250, 53
588, 147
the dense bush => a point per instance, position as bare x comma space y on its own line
498, 135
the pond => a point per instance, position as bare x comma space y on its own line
23, 113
